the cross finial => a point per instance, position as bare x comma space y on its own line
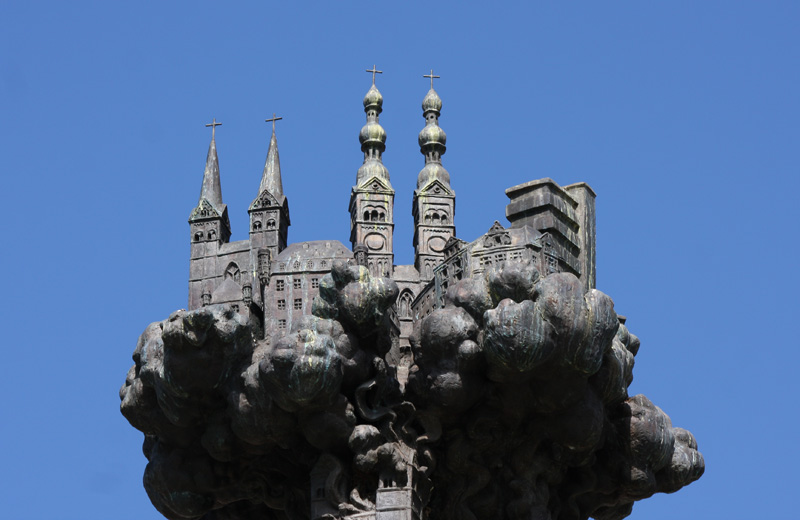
213, 126
374, 71
430, 76
273, 119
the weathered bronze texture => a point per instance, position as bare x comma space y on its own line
489, 380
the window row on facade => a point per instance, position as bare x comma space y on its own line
296, 305
280, 285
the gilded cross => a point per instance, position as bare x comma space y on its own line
274, 118
374, 71
430, 76
213, 126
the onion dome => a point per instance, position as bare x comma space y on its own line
432, 171
372, 135
373, 139
374, 100
371, 169
432, 135
432, 141
431, 102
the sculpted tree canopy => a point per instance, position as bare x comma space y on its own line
516, 406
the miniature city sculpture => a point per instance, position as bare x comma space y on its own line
315, 381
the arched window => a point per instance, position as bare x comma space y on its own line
198, 236
256, 225
233, 272
382, 217
212, 234
374, 214
271, 224
366, 215
404, 304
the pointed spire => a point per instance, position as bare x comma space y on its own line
271, 178
211, 189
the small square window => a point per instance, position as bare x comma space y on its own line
279, 285
281, 305
282, 324
298, 303
315, 283
297, 284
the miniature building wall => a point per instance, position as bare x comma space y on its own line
294, 282
552, 226
567, 213
498, 245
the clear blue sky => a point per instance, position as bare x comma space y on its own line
682, 115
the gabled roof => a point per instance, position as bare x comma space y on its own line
228, 291
206, 210
436, 187
266, 199
376, 184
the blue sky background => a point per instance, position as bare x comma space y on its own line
682, 115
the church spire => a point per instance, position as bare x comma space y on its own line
372, 198
269, 211
271, 178
432, 139
209, 227
434, 203
211, 189
372, 137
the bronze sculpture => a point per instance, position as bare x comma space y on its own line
487, 380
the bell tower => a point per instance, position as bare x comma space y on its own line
434, 202
269, 212
209, 228
372, 198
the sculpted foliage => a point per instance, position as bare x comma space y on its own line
515, 406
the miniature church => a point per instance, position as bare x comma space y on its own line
274, 282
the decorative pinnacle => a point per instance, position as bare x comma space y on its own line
430, 76
213, 126
273, 121
374, 71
